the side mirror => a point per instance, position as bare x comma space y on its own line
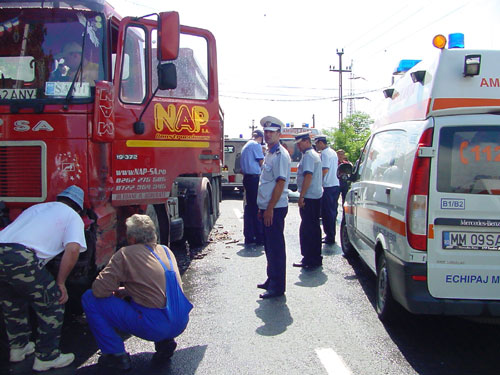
167, 76
168, 35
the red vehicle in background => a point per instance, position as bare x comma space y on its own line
135, 122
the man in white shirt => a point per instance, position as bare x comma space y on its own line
36, 236
331, 189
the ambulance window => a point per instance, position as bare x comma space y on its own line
192, 68
469, 160
385, 160
133, 74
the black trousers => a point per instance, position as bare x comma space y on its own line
310, 232
274, 246
329, 207
252, 226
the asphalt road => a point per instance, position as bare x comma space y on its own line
325, 324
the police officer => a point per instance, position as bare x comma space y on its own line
309, 182
37, 235
251, 160
331, 188
273, 206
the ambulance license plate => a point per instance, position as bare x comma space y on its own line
471, 241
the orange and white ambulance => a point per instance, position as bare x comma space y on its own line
423, 210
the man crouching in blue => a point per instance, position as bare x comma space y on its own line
150, 304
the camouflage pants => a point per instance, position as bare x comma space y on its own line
24, 282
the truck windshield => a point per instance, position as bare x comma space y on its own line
43, 50
469, 160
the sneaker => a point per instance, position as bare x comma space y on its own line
117, 361
18, 355
62, 361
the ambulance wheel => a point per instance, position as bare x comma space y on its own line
347, 248
199, 236
384, 303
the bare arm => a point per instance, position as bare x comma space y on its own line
69, 258
275, 197
325, 171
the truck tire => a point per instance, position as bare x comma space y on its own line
347, 248
199, 236
384, 302
159, 216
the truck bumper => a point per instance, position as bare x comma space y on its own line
415, 297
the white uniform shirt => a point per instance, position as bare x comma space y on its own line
46, 228
276, 167
311, 163
330, 161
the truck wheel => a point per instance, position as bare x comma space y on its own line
161, 222
384, 303
199, 236
347, 248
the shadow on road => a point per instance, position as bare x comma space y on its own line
436, 345
251, 251
312, 278
275, 315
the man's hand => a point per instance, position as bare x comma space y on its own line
301, 202
268, 217
120, 292
64, 294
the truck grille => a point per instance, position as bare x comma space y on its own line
22, 171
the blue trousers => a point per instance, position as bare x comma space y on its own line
310, 232
329, 207
274, 246
104, 315
252, 226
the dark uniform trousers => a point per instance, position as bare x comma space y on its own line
252, 226
329, 207
24, 282
310, 232
274, 246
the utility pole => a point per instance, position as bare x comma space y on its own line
340, 71
252, 127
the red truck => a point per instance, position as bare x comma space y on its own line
125, 108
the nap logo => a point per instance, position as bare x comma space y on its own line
177, 120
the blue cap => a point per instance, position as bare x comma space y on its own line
258, 133
74, 193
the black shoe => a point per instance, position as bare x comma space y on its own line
263, 285
164, 349
117, 361
259, 243
271, 294
328, 241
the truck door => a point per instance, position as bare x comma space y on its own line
464, 224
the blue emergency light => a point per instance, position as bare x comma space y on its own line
405, 65
456, 40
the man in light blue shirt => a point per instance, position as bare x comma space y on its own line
251, 161
331, 187
273, 207
309, 182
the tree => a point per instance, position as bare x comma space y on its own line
351, 135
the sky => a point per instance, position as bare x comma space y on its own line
275, 56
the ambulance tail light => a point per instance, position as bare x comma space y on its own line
418, 193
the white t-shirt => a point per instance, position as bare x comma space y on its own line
330, 161
46, 228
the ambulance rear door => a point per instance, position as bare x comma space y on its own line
464, 208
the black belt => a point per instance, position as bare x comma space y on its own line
253, 175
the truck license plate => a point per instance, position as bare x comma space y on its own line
471, 241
